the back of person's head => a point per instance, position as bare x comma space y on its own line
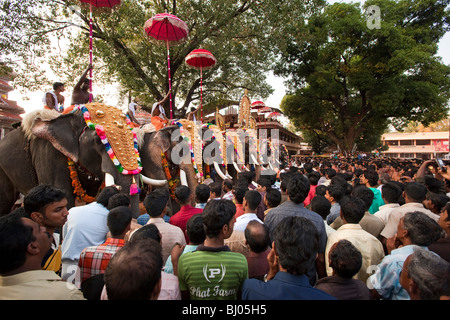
134, 272
118, 220
353, 209
253, 199
15, 237
239, 193
321, 206
195, 230
298, 188
217, 214
313, 178
228, 184
118, 200
296, 244
438, 200
340, 181
264, 183
106, 193
330, 173
257, 236
216, 189
365, 194
41, 196
147, 232
422, 229
336, 191
273, 198
56, 85
182, 194
416, 191
433, 184
371, 176
430, 273
391, 192
308, 167
345, 259
321, 190
156, 201
202, 193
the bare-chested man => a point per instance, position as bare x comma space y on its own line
54, 99
80, 93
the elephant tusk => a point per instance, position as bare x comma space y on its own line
270, 165
153, 182
254, 160
183, 178
219, 172
109, 180
236, 167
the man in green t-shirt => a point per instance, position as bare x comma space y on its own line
212, 272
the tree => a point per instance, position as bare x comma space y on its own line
350, 80
238, 33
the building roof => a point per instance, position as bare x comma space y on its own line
415, 135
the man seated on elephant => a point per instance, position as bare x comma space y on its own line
159, 118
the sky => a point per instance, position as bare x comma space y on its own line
274, 100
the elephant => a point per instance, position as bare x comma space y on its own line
151, 147
38, 151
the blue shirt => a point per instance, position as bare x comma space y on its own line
386, 279
284, 286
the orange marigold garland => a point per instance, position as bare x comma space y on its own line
76, 184
173, 182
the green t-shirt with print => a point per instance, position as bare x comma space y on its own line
212, 275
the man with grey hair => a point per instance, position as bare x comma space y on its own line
414, 230
425, 275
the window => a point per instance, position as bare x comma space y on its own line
426, 142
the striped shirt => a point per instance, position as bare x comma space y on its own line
94, 260
212, 274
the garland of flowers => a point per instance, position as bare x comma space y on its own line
188, 140
173, 182
287, 153
78, 189
101, 133
208, 125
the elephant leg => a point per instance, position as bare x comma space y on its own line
8, 196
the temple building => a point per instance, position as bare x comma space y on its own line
9, 110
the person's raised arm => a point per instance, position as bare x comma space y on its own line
83, 77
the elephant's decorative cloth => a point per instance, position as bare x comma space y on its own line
112, 126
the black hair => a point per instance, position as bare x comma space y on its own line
353, 209
364, 193
253, 198
41, 196
391, 192
119, 218
202, 193
195, 230
156, 201
149, 231
416, 191
257, 236
182, 194
56, 85
345, 259
298, 188
106, 194
273, 198
239, 193
117, 200
321, 206
216, 214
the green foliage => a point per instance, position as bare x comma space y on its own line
244, 36
350, 81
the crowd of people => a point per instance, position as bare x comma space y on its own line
317, 229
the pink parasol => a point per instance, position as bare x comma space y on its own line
97, 4
273, 115
200, 59
265, 110
258, 105
167, 28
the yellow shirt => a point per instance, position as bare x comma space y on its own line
37, 285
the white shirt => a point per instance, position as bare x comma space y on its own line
243, 220
385, 210
394, 218
370, 247
85, 226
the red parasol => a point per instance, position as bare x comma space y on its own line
265, 110
273, 115
258, 105
97, 4
168, 28
200, 59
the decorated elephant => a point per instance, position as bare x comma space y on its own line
77, 152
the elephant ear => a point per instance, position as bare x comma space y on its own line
62, 132
163, 137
